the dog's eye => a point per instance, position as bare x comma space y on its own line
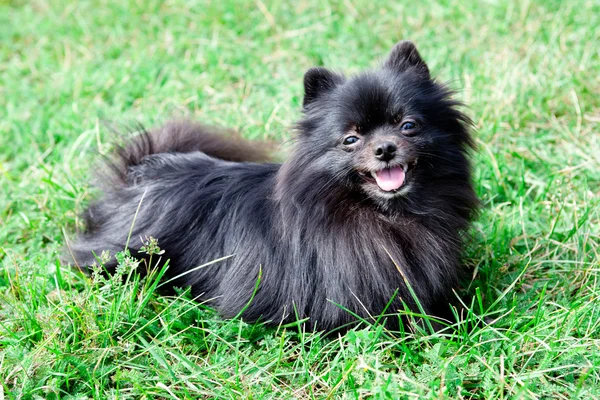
349, 140
408, 126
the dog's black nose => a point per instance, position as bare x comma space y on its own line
385, 151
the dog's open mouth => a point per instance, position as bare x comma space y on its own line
389, 179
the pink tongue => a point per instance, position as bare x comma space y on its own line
390, 178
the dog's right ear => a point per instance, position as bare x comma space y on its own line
318, 81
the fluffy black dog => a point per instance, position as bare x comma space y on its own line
376, 193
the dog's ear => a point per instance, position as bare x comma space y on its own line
405, 56
318, 81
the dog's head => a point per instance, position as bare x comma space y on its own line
386, 133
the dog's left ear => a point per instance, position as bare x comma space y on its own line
405, 56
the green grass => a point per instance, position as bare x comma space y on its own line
530, 71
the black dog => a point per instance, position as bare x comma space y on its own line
377, 193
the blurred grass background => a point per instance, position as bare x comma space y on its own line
530, 71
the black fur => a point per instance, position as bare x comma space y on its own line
317, 227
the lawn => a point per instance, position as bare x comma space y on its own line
530, 72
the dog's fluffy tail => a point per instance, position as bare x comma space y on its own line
183, 137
